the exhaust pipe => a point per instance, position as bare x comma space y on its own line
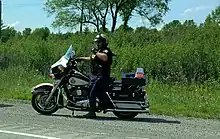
127, 110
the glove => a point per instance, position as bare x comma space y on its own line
94, 50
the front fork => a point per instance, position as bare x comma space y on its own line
55, 88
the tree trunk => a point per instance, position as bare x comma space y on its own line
114, 20
114, 23
126, 22
104, 25
81, 22
104, 21
81, 27
97, 27
114, 17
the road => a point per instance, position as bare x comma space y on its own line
20, 121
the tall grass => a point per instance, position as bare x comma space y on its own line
17, 82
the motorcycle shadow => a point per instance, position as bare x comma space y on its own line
142, 119
137, 119
5, 105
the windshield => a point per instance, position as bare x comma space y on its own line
64, 59
69, 52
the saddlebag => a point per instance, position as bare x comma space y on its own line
131, 86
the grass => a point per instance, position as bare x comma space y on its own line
16, 83
201, 101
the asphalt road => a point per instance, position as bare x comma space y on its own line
20, 121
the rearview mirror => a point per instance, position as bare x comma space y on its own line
73, 54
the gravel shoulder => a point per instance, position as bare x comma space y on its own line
21, 117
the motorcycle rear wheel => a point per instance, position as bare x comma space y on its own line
125, 115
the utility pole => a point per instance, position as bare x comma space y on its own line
0, 19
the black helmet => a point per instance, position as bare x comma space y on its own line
101, 38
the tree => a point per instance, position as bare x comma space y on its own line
27, 31
150, 9
153, 10
70, 13
2, 26
124, 28
43, 33
126, 12
214, 17
189, 23
86, 30
172, 25
8, 33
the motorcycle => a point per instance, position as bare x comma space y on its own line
128, 95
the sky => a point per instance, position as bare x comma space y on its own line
30, 14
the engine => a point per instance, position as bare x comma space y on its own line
78, 92
78, 86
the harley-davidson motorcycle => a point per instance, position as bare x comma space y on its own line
127, 95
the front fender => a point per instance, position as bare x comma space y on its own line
41, 88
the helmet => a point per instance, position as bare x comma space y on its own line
101, 38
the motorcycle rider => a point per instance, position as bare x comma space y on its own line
101, 61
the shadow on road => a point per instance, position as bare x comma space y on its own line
138, 119
5, 105
148, 120
62, 115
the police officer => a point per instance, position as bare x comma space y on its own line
101, 61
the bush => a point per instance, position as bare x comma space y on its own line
191, 56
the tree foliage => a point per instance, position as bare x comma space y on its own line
215, 16
70, 13
178, 53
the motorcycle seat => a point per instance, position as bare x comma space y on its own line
117, 82
114, 81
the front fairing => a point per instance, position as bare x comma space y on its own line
61, 62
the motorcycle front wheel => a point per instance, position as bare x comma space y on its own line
38, 103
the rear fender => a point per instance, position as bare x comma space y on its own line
42, 88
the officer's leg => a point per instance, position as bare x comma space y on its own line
92, 98
102, 96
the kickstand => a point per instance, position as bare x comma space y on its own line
73, 114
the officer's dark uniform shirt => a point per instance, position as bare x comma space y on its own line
102, 68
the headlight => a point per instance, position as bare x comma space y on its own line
61, 68
51, 74
57, 72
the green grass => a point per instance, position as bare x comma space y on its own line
202, 101
16, 83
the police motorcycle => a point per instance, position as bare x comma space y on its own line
127, 95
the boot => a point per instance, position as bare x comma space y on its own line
91, 114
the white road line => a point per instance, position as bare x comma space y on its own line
91, 132
25, 134
136, 138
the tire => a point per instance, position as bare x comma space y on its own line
38, 108
125, 115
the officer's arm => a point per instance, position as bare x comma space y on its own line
84, 58
102, 56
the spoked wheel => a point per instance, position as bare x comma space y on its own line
125, 115
38, 103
